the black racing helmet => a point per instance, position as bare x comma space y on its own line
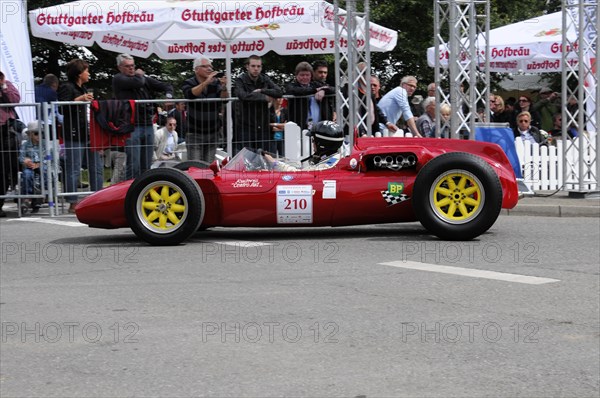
328, 137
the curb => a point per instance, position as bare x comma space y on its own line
553, 211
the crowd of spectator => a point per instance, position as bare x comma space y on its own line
198, 121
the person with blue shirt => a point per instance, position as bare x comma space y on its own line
395, 105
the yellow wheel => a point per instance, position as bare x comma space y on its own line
164, 206
457, 196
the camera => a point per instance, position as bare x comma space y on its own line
220, 75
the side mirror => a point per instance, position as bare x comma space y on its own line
215, 166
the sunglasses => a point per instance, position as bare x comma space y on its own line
524, 121
523, 100
35, 133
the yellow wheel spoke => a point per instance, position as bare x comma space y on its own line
442, 191
149, 205
451, 209
154, 195
470, 191
164, 193
175, 197
471, 202
152, 216
462, 183
463, 209
451, 184
443, 202
173, 218
177, 208
162, 221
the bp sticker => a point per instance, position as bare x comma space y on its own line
395, 188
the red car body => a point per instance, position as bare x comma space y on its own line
353, 192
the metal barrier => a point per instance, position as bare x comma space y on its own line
27, 186
76, 167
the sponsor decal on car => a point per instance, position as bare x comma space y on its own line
394, 194
294, 204
247, 183
287, 177
395, 188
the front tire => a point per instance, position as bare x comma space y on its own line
164, 206
457, 196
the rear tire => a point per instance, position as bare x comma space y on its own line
164, 206
457, 196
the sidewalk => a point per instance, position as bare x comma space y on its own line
560, 204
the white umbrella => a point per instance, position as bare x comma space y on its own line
530, 46
182, 29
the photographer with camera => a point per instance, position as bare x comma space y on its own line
547, 105
205, 123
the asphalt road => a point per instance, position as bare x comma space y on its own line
306, 312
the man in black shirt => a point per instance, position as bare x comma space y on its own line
205, 117
255, 91
131, 83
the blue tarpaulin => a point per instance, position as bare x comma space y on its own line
503, 136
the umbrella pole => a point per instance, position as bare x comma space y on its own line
229, 106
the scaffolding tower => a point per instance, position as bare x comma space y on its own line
465, 83
352, 50
580, 80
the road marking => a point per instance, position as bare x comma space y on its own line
473, 273
46, 221
240, 243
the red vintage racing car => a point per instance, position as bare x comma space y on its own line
455, 188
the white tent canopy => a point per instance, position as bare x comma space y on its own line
185, 29
530, 46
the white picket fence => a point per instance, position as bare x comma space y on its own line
542, 166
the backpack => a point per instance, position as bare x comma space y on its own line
115, 116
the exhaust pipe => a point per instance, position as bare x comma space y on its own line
377, 161
411, 159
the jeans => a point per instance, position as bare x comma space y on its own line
139, 149
74, 152
30, 181
201, 147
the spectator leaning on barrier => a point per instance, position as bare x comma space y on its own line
255, 91
9, 140
325, 98
303, 108
205, 123
394, 104
76, 131
132, 83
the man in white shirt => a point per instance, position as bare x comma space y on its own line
395, 104
165, 141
